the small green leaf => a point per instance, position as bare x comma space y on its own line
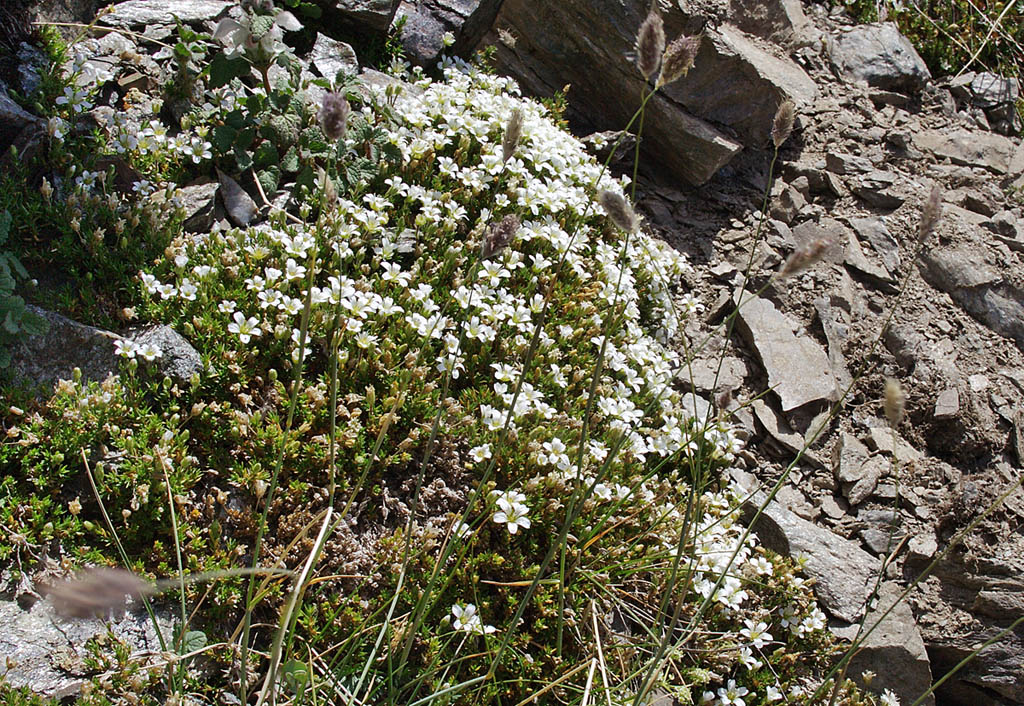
194, 640
269, 179
243, 158
223, 137
266, 155
223, 69
290, 161
235, 119
10, 324
305, 178
33, 324
295, 675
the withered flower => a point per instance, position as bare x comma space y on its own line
782, 125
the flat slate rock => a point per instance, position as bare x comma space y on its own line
798, 368
330, 56
140, 13
375, 14
971, 148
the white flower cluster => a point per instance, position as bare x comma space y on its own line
127, 348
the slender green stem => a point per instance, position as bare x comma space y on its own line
261, 527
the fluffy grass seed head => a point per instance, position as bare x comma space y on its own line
513, 133
895, 402
782, 125
97, 592
333, 116
650, 42
931, 214
499, 235
678, 58
619, 210
804, 257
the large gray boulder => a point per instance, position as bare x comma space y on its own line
427, 21
141, 13
879, 55
47, 653
375, 14
694, 126
738, 83
781, 21
977, 287
969, 148
42, 360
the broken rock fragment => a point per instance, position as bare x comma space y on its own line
797, 366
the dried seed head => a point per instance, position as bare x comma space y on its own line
499, 235
334, 116
930, 214
782, 126
895, 402
513, 133
330, 193
97, 592
678, 59
619, 210
650, 42
507, 38
804, 257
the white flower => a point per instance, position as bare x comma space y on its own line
757, 633
772, 693
187, 290
365, 339
293, 270
748, 660
57, 128
447, 39
889, 698
125, 347
149, 352
245, 328
732, 695
480, 453
227, 306
762, 566
75, 99
554, 454
466, 618
393, 273
512, 514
